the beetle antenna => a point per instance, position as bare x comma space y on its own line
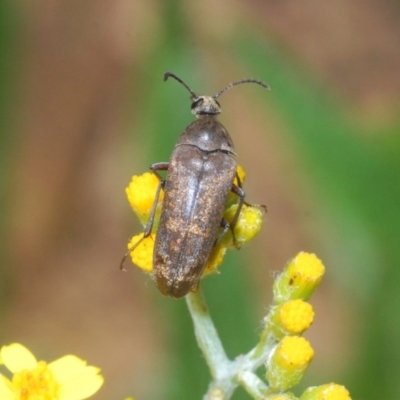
231, 85
121, 264
170, 74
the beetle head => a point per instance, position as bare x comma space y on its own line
205, 105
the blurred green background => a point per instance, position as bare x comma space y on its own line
83, 107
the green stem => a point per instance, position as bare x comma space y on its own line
252, 384
227, 374
206, 334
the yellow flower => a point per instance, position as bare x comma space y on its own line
288, 363
290, 318
247, 226
68, 378
300, 278
141, 193
330, 391
142, 254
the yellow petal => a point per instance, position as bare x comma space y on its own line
17, 357
78, 381
82, 385
67, 366
5, 391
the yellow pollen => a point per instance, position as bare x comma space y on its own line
141, 193
306, 267
294, 352
36, 384
142, 255
296, 316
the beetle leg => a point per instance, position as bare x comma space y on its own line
240, 193
240, 183
150, 222
161, 166
121, 264
225, 226
149, 226
245, 202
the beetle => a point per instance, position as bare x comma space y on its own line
200, 176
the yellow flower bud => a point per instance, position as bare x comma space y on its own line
330, 391
247, 225
288, 363
142, 254
290, 318
299, 279
141, 193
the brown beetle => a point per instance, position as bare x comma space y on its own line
200, 176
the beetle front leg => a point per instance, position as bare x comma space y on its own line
149, 225
162, 166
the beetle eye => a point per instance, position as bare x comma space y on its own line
197, 103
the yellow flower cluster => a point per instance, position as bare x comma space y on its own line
288, 318
142, 193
